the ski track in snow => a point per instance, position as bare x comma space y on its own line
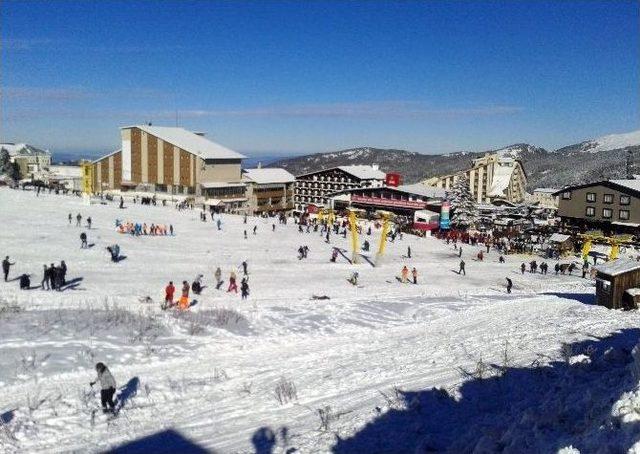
340, 352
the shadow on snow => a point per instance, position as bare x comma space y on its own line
167, 441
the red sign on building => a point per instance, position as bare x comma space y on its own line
393, 180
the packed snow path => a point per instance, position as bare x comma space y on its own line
209, 375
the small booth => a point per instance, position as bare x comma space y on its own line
561, 243
616, 283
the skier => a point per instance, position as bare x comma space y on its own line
218, 276
83, 240
273, 227
245, 219
169, 290
404, 274
219, 224
488, 246
232, 282
462, 270
244, 268
184, 299
53, 276
6, 264
244, 288
78, 220
509, 285
196, 286
366, 246
585, 268
46, 278
107, 387
523, 268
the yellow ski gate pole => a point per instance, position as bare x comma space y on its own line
383, 237
354, 237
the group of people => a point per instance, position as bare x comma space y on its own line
79, 220
137, 228
404, 275
53, 277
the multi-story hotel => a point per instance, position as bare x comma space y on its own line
314, 188
172, 161
492, 177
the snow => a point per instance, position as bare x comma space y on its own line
613, 142
364, 172
627, 183
207, 376
191, 142
16, 149
559, 238
423, 190
268, 175
618, 266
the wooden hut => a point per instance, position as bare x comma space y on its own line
613, 279
561, 243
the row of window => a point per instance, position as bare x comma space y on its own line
592, 197
607, 213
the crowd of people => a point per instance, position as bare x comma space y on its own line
137, 228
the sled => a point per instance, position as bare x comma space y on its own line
183, 303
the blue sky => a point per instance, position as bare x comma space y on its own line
282, 77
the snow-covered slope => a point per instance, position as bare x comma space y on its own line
450, 364
605, 143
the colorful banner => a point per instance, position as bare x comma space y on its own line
444, 215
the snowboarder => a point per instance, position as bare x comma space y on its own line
232, 282
404, 275
244, 288
6, 264
107, 387
414, 274
169, 290
83, 240
46, 278
244, 268
218, 276
184, 298
462, 270
78, 220
509, 285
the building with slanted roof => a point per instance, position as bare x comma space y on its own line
171, 160
614, 280
495, 176
30, 160
269, 190
313, 189
611, 205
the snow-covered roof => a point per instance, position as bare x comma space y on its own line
546, 190
559, 238
221, 184
631, 184
189, 141
106, 156
500, 181
364, 172
423, 190
633, 291
619, 266
23, 149
268, 175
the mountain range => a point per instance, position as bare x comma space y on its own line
594, 159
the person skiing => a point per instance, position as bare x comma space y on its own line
462, 270
46, 278
414, 274
509, 285
273, 227
404, 274
219, 224
184, 299
107, 387
6, 265
244, 268
218, 276
488, 246
83, 240
523, 268
78, 220
169, 290
196, 286
232, 282
585, 268
244, 288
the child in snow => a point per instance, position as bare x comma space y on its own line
107, 387
169, 290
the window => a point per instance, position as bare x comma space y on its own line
566, 195
607, 198
625, 200
623, 215
607, 213
590, 211
591, 197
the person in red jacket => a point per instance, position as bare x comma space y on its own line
169, 290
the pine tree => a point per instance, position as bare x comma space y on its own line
7, 167
464, 212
